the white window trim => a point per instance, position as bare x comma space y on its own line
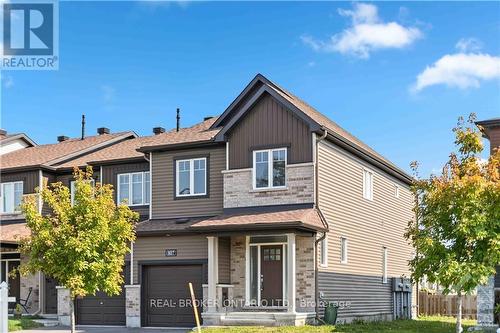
372, 185
396, 191
191, 178
385, 259
14, 211
344, 250
269, 169
324, 252
130, 174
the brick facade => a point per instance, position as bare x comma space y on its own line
133, 305
31, 281
239, 192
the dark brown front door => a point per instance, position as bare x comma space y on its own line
271, 257
14, 283
50, 295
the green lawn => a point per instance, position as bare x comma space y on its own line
422, 325
21, 324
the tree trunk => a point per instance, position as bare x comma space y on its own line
72, 314
459, 314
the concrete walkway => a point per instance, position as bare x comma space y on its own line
84, 329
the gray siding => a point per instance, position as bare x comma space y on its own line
357, 295
268, 124
164, 204
153, 248
110, 176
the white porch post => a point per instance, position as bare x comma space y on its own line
213, 273
291, 272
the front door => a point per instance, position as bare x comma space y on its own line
50, 295
271, 284
14, 282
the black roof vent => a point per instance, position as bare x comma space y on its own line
3, 132
207, 118
62, 138
158, 130
102, 130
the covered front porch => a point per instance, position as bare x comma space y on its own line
261, 279
261, 266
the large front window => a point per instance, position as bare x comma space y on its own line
269, 168
191, 177
133, 188
11, 196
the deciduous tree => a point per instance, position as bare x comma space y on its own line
457, 218
82, 243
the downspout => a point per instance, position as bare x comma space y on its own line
316, 204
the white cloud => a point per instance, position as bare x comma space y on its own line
465, 69
469, 45
367, 34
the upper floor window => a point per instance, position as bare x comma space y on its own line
367, 184
191, 177
269, 168
134, 188
11, 196
72, 190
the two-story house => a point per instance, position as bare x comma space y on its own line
269, 210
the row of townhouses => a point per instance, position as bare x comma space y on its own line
271, 210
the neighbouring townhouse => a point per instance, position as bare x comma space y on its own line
12, 142
271, 210
488, 296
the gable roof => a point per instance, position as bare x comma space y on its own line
486, 125
50, 155
6, 138
118, 152
317, 121
196, 134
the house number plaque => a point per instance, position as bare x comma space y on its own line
171, 253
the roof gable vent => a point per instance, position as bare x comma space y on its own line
102, 130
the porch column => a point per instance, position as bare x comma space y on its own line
213, 273
291, 262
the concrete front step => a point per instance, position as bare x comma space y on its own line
47, 322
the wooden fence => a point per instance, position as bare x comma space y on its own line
446, 305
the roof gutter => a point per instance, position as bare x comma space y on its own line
177, 146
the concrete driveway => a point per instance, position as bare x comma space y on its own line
84, 329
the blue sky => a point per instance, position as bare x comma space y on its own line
128, 65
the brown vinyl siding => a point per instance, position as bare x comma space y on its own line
30, 179
153, 248
224, 259
163, 177
494, 139
269, 124
367, 225
110, 176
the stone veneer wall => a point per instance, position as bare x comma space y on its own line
239, 192
305, 281
133, 305
485, 303
27, 282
